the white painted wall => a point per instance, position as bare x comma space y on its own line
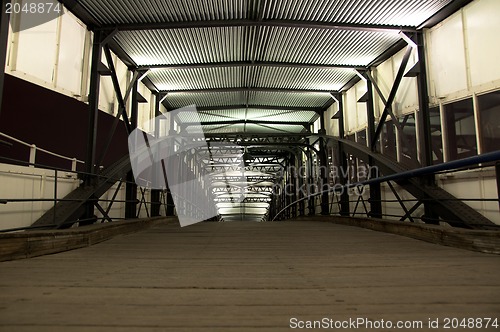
480, 183
332, 125
61, 64
20, 182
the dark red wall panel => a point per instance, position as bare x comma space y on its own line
54, 122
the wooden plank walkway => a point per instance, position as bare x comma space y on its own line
246, 277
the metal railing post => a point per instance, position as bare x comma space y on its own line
32, 160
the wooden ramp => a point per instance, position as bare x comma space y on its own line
246, 277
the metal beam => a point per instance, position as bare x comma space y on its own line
374, 84
375, 199
250, 64
343, 163
238, 121
263, 107
248, 89
121, 105
392, 94
425, 130
391, 51
497, 173
256, 23
83, 14
131, 186
448, 10
423, 101
93, 105
4, 38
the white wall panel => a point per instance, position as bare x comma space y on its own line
29, 183
332, 125
384, 75
447, 62
407, 95
107, 91
350, 111
482, 28
70, 63
361, 89
36, 51
145, 110
474, 184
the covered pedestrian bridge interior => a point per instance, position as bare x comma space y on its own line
275, 125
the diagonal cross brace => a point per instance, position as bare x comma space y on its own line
381, 95
392, 94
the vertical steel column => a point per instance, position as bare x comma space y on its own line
344, 198
323, 161
497, 171
170, 210
131, 187
302, 183
311, 190
95, 83
4, 38
155, 194
375, 193
425, 125
293, 184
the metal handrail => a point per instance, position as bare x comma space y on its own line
34, 149
448, 166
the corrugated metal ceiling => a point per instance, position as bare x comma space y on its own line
278, 44
248, 114
231, 77
258, 42
392, 12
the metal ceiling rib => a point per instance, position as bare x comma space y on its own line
288, 99
269, 77
201, 78
272, 115
180, 100
253, 115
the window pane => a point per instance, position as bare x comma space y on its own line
389, 140
489, 110
362, 137
409, 141
436, 135
461, 128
